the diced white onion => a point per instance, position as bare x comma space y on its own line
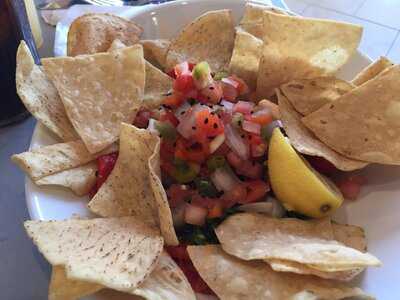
188, 121
258, 207
195, 215
183, 108
224, 180
152, 126
227, 105
217, 142
236, 143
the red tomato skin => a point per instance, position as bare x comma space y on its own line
237, 195
105, 164
183, 83
142, 118
184, 151
246, 168
256, 189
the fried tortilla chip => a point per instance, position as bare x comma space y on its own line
363, 124
116, 253
80, 179
210, 37
308, 95
245, 57
127, 190
231, 278
351, 236
157, 82
52, 159
155, 51
252, 236
167, 281
94, 33
252, 20
63, 288
164, 210
297, 48
40, 97
372, 70
99, 92
304, 141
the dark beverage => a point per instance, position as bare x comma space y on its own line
14, 26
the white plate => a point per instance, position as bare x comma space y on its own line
377, 210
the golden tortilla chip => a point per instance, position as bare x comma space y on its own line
372, 70
63, 288
127, 190
40, 97
363, 124
99, 92
351, 236
80, 179
245, 57
157, 82
94, 33
231, 278
164, 211
304, 141
167, 281
252, 236
155, 51
252, 20
308, 95
297, 48
210, 37
116, 253
52, 159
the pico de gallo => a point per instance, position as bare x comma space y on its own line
213, 156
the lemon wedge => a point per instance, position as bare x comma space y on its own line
296, 184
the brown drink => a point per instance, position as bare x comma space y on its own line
14, 26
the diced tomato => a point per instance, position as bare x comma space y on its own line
212, 93
258, 150
167, 167
322, 165
216, 211
262, 117
174, 100
178, 252
229, 89
167, 150
142, 118
177, 194
251, 127
185, 150
208, 124
105, 164
184, 83
205, 202
236, 195
168, 115
351, 186
246, 168
256, 189
242, 86
243, 107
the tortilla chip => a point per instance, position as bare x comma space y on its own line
297, 48
99, 92
210, 37
351, 236
155, 51
157, 82
167, 281
116, 253
40, 97
164, 211
252, 20
127, 191
372, 70
52, 159
63, 288
252, 236
364, 123
304, 141
80, 179
94, 33
231, 278
245, 57
309, 95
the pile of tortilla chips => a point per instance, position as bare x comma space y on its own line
90, 98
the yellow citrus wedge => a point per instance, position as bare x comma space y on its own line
296, 184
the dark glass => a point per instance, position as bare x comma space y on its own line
14, 27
